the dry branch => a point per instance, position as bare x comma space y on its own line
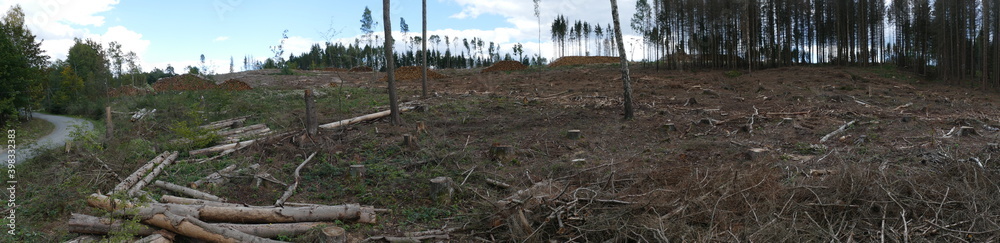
156, 238
372, 116
142, 113
132, 179
239, 130
839, 130
291, 189
187, 191
221, 176
152, 174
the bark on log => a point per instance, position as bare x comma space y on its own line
142, 113
839, 130
372, 116
132, 179
110, 129
291, 189
152, 174
273, 230
260, 214
187, 191
224, 147
192, 201
86, 224
192, 227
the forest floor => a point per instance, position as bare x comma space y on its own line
711, 155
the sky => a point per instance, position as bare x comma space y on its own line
179, 32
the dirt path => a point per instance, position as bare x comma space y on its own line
58, 137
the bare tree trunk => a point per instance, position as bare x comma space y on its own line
187, 191
311, 124
195, 228
152, 174
626, 82
86, 224
390, 66
110, 131
372, 116
134, 178
424, 44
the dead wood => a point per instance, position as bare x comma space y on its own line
132, 179
246, 214
192, 227
839, 130
224, 147
192, 201
223, 175
141, 113
368, 117
161, 236
152, 174
497, 183
234, 131
84, 239
272, 230
224, 123
86, 224
333, 234
291, 189
187, 191
105, 202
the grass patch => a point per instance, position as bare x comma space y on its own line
28, 132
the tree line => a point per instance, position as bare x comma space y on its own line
953, 40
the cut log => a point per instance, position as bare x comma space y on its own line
105, 202
835, 132
245, 129
152, 174
260, 214
134, 178
224, 147
442, 190
394, 239
368, 117
86, 224
670, 127
291, 189
573, 134
333, 234
224, 123
187, 191
967, 131
192, 227
497, 183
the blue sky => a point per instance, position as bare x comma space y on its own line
178, 32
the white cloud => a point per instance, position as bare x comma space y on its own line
221, 38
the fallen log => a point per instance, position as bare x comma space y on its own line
86, 224
192, 227
84, 239
239, 130
407, 239
368, 117
192, 201
272, 230
223, 123
242, 214
187, 191
132, 179
224, 147
291, 189
152, 174
141, 113
222, 175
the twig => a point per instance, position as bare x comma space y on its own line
291, 189
497, 183
962, 231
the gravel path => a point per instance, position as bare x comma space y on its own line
58, 137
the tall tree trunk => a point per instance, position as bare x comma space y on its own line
424, 53
390, 68
626, 83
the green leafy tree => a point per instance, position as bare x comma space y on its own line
21, 66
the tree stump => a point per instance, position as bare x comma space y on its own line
756, 153
573, 134
69, 146
442, 190
110, 131
788, 121
421, 127
670, 127
691, 101
408, 141
333, 234
311, 124
501, 153
357, 171
966, 131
